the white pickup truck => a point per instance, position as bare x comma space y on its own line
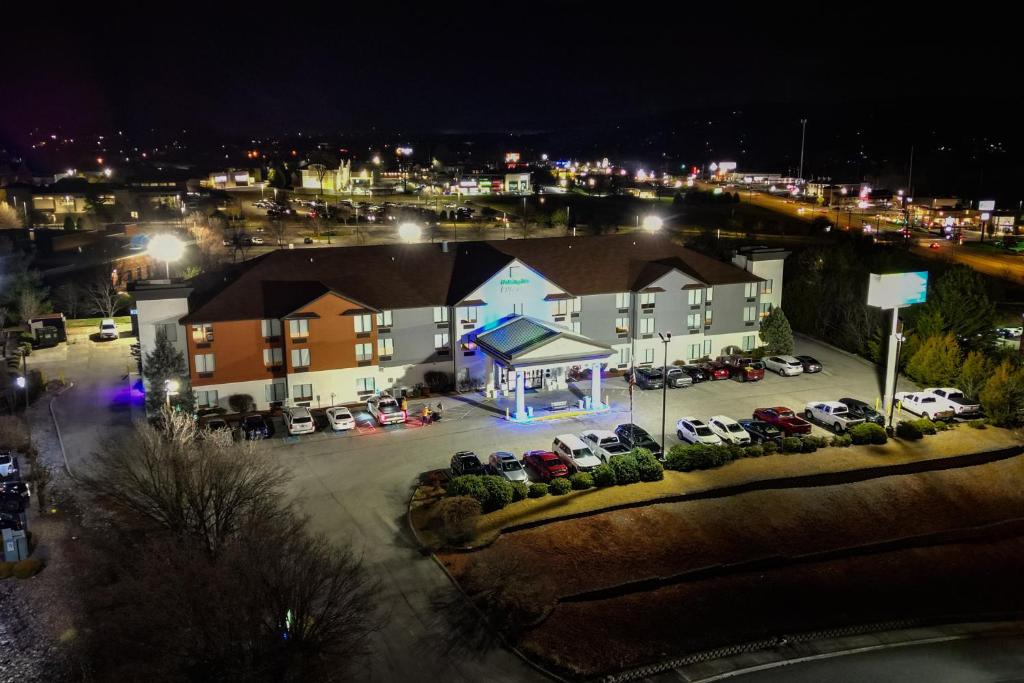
955, 400
924, 404
831, 414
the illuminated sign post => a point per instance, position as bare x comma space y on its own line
895, 291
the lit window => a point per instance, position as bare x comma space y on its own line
622, 326
206, 399
750, 290
300, 358
748, 342
298, 329
766, 286
385, 347
648, 355
624, 356
202, 334
273, 357
204, 362
366, 385
647, 326
364, 323
468, 314
766, 310
707, 348
707, 317
302, 392
693, 321
709, 295
694, 352
440, 314
694, 296
622, 300
749, 314
441, 341
561, 307
384, 319
364, 352
647, 299
577, 305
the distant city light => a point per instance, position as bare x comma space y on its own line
20, 381
107, 172
652, 223
376, 159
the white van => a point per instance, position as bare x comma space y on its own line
576, 455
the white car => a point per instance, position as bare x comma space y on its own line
576, 455
955, 400
340, 418
385, 410
505, 464
8, 464
925, 405
786, 366
298, 421
108, 329
256, 239
831, 414
692, 430
728, 430
604, 443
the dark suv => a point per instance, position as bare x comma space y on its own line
649, 378
636, 437
14, 496
466, 462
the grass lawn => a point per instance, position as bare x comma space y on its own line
95, 322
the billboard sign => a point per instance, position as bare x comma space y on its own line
897, 289
987, 205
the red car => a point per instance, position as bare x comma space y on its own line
745, 369
716, 370
785, 419
545, 465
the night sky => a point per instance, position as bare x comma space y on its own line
483, 66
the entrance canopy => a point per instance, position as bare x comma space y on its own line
523, 342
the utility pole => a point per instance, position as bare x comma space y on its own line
665, 339
803, 138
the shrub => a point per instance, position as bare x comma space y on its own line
6, 569
926, 426
808, 444
868, 432
770, 447
499, 493
625, 468
689, 457
908, 430
792, 444
840, 441
538, 490
942, 426
581, 481
468, 485
459, 515
1003, 395
519, 490
604, 475
438, 382
24, 569
977, 424
755, 451
560, 486
648, 466
733, 452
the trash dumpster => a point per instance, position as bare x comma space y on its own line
15, 545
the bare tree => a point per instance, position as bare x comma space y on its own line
31, 304
277, 229
68, 298
103, 298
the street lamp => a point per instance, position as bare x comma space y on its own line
665, 339
166, 248
410, 232
652, 223
171, 386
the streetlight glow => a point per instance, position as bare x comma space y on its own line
652, 223
166, 248
409, 232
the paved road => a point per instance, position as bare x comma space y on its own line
974, 660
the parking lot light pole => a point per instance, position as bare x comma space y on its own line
665, 339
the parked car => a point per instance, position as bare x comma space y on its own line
783, 418
728, 430
744, 369
955, 400
604, 443
298, 421
254, 427
925, 405
14, 496
545, 465
761, 432
810, 363
504, 464
8, 464
256, 239
108, 329
862, 410
466, 462
10, 522
692, 430
695, 373
648, 378
385, 410
340, 418
786, 366
632, 437
831, 414
1010, 332
716, 370
215, 424
676, 378
576, 455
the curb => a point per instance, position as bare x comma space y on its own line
56, 426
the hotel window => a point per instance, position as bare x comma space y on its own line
384, 319
766, 286
694, 296
273, 357
693, 322
366, 385
561, 307
272, 327
300, 358
302, 392
694, 352
202, 334
749, 314
298, 329
577, 327
766, 309
441, 341
363, 323
440, 314
204, 362
647, 326
707, 348
576, 305
648, 355
206, 399
468, 314
622, 300
750, 290
647, 299
623, 356
707, 317
276, 391
385, 348
748, 342
709, 295
364, 353
622, 326
170, 331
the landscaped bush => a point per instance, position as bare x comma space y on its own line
977, 424
438, 382
792, 444
808, 445
6, 569
625, 468
770, 447
941, 426
581, 481
648, 465
538, 490
908, 430
519, 490
868, 432
468, 485
689, 457
926, 426
459, 515
560, 486
755, 451
24, 569
841, 441
499, 493
604, 475
819, 441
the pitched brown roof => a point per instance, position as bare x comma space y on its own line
396, 276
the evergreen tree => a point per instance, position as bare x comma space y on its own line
961, 298
974, 373
69, 223
1003, 395
776, 333
937, 362
165, 363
